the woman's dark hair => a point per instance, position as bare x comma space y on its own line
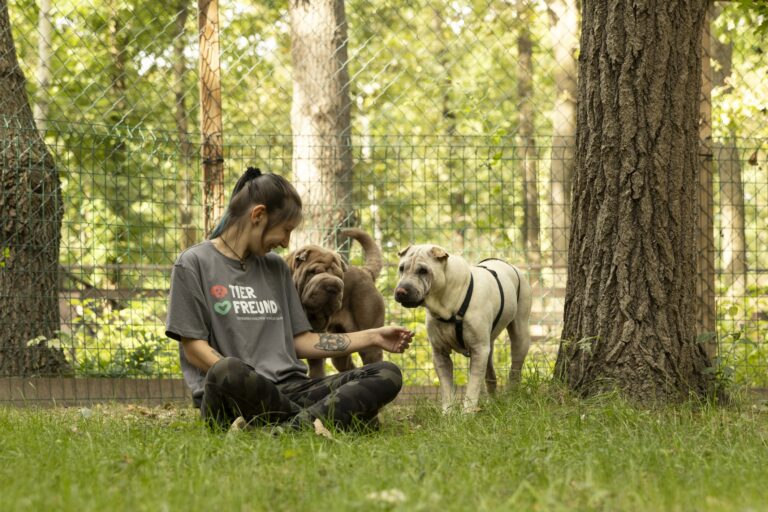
273, 191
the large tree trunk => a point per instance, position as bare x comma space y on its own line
706, 315
43, 74
564, 34
526, 140
629, 316
320, 118
30, 216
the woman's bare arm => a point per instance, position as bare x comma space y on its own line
199, 353
314, 346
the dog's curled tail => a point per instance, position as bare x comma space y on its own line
373, 258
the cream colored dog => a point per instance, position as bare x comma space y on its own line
467, 308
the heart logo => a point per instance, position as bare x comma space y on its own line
222, 307
219, 291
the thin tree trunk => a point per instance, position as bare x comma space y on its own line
210, 113
118, 171
527, 142
732, 215
30, 218
43, 75
182, 125
117, 195
320, 118
629, 314
564, 34
117, 49
733, 235
457, 200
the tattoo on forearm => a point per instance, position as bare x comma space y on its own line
333, 342
213, 350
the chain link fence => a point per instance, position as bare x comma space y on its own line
460, 132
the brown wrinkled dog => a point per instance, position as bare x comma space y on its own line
337, 297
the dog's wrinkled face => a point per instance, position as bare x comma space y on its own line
318, 276
420, 268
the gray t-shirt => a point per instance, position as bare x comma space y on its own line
251, 314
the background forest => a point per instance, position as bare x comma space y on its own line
462, 128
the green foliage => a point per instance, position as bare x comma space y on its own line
742, 357
758, 11
738, 104
131, 341
434, 132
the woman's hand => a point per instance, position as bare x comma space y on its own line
392, 338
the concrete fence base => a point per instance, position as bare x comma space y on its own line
42, 391
53, 391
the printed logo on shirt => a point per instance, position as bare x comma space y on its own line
219, 291
222, 307
245, 303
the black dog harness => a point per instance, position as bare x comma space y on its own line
458, 318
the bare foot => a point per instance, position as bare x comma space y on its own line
238, 425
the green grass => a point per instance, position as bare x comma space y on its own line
534, 449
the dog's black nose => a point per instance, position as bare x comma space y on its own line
401, 294
332, 288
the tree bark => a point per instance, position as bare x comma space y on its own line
526, 140
629, 314
43, 75
706, 315
189, 232
117, 171
320, 118
564, 34
30, 217
211, 126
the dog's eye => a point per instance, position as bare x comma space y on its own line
401, 268
422, 270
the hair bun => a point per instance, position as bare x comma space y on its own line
252, 173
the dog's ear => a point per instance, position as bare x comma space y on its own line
297, 257
438, 253
403, 252
302, 255
343, 264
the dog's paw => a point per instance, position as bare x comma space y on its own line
471, 409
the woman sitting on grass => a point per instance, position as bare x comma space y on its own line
236, 313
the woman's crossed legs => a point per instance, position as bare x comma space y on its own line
233, 388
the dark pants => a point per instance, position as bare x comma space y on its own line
233, 388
